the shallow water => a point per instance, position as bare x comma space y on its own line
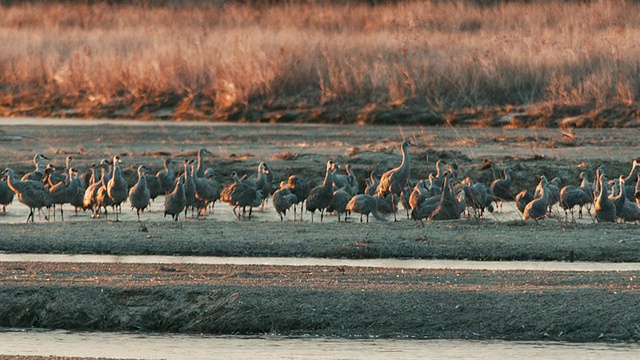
276, 261
18, 213
161, 346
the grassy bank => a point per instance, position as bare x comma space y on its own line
553, 240
412, 62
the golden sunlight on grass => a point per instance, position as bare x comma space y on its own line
318, 62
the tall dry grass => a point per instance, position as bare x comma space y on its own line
444, 56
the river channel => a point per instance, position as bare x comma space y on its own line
162, 346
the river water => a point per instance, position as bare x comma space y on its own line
277, 261
163, 346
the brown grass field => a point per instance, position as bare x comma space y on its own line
422, 62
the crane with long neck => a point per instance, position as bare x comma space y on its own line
394, 180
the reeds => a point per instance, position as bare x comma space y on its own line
219, 60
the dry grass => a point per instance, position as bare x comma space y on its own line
285, 155
230, 60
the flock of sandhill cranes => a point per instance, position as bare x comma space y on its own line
440, 197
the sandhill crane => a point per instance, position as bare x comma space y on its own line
207, 192
102, 200
477, 197
419, 193
571, 196
153, 184
64, 191
320, 196
627, 211
6, 195
300, 188
536, 209
216, 188
68, 165
166, 177
637, 193
386, 205
269, 186
448, 208
139, 194
283, 199
553, 191
348, 181
38, 173
31, 193
405, 197
51, 177
189, 187
262, 182
364, 204
339, 201
604, 208
426, 208
89, 199
76, 199
442, 169
117, 187
372, 183
617, 196
176, 201
502, 188
461, 202
393, 181
89, 176
107, 165
630, 179
587, 187
523, 198
200, 165
240, 195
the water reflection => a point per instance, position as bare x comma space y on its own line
155, 346
17, 213
286, 261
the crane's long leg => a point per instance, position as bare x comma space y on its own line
393, 206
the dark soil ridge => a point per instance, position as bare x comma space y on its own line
326, 301
172, 107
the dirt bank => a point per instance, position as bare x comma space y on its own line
465, 240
